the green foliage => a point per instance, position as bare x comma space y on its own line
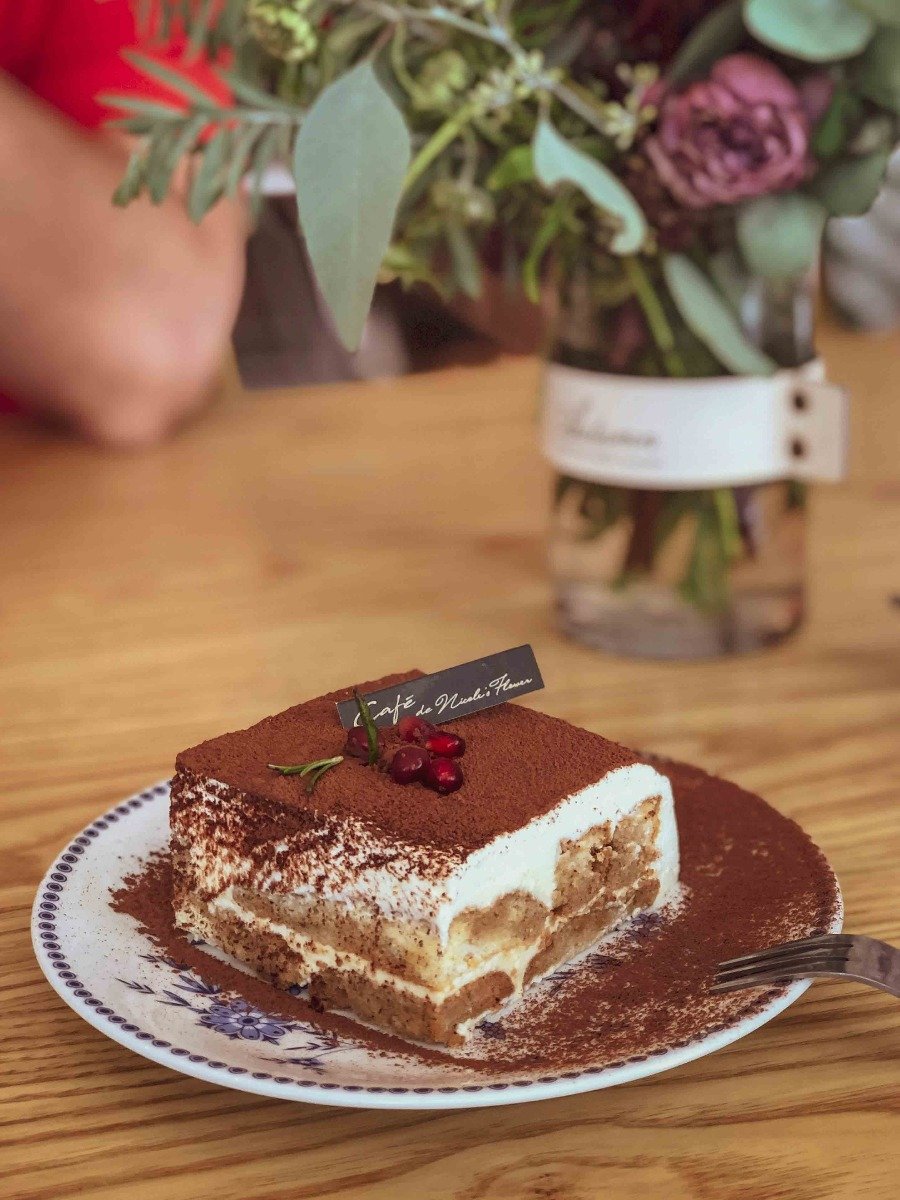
150, 110
849, 188
501, 123
441, 80
516, 166
312, 771
885, 12
164, 157
813, 30
558, 161
708, 316
249, 93
878, 76
729, 274
365, 716
170, 78
270, 145
283, 28
720, 32
410, 267
132, 181
350, 159
466, 264
705, 584
245, 139
208, 183
841, 118
780, 236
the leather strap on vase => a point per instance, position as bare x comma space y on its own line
687, 433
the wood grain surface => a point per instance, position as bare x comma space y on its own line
293, 541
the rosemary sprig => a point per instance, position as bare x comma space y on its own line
369, 725
313, 770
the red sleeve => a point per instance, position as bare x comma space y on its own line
69, 51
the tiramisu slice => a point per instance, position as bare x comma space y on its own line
419, 911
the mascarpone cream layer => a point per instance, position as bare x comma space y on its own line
410, 883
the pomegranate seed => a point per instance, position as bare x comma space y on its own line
442, 775
414, 729
446, 744
357, 744
408, 764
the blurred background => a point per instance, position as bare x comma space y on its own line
86, 311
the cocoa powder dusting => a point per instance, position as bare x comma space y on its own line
518, 765
751, 878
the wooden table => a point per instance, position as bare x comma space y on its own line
293, 541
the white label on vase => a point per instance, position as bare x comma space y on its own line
686, 433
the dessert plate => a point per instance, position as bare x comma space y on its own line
635, 1006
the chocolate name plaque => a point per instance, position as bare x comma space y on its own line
453, 693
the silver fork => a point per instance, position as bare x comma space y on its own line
847, 955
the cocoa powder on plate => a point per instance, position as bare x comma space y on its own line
751, 878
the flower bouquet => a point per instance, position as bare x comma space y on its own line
664, 169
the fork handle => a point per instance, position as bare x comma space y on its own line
876, 963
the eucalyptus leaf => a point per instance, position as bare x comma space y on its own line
878, 76
849, 188
885, 12
516, 166
161, 165
265, 151
730, 276
780, 235
139, 126
144, 108
466, 264
813, 30
206, 187
710, 319
350, 160
842, 115
254, 96
157, 173
171, 79
720, 32
132, 181
558, 161
200, 26
244, 141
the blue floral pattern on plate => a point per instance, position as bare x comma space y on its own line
234, 1017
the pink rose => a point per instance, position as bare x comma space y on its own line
742, 132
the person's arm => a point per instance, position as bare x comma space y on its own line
114, 320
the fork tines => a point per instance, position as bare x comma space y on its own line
806, 956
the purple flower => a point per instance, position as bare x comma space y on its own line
742, 132
237, 1019
816, 93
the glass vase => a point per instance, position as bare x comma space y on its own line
679, 572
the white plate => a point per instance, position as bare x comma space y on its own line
114, 977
